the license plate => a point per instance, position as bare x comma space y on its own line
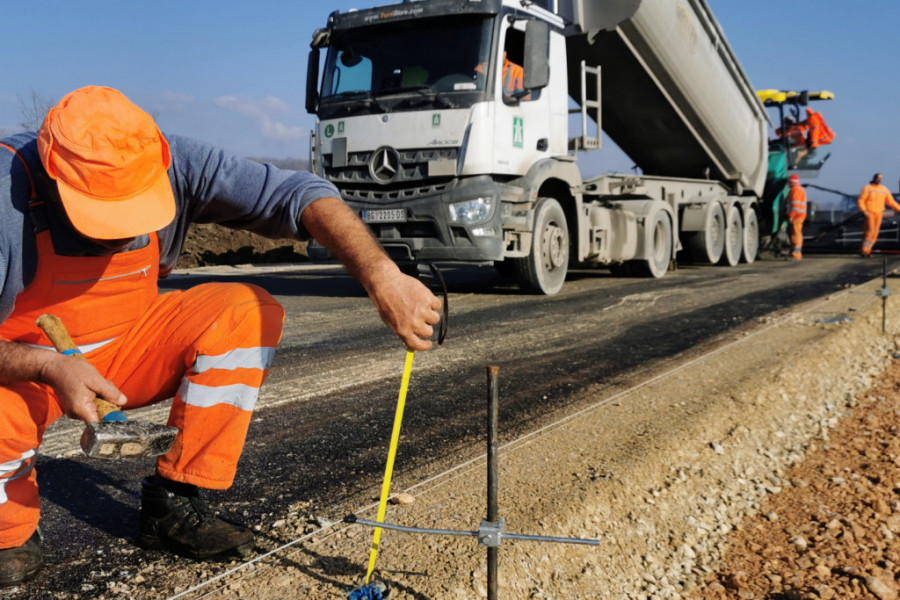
386, 215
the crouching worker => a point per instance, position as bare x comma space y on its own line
93, 209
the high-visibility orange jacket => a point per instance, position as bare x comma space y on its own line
874, 197
795, 135
797, 200
513, 77
819, 132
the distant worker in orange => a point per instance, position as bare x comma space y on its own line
818, 131
871, 202
794, 135
797, 215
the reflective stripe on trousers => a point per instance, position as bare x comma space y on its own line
238, 395
15, 469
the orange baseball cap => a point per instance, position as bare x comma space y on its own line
109, 161
794, 178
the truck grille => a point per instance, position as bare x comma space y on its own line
411, 181
386, 196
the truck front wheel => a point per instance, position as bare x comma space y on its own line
544, 270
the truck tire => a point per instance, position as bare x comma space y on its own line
659, 248
751, 236
543, 271
706, 246
734, 237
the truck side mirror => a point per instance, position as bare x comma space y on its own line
312, 81
537, 56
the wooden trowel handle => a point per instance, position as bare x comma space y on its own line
54, 329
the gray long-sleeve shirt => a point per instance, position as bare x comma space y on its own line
210, 186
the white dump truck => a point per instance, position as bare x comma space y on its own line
455, 128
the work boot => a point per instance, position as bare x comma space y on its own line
18, 565
176, 518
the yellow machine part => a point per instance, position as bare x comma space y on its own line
776, 97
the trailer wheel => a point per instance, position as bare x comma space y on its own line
751, 236
706, 246
544, 270
734, 237
660, 247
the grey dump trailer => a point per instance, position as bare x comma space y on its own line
453, 128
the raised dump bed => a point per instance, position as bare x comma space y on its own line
675, 99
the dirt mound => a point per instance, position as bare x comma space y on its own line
208, 245
831, 533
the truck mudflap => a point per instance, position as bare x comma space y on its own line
460, 223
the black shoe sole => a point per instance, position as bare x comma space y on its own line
151, 541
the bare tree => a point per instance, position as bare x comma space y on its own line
33, 110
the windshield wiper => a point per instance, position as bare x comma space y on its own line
367, 100
425, 93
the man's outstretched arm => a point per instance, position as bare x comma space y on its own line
403, 302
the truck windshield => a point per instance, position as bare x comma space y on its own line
405, 64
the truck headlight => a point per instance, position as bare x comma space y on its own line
471, 211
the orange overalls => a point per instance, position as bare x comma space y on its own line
871, 201
796, 217
210, 347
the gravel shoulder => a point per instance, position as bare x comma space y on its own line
664, 496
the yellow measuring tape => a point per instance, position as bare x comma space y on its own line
389, 469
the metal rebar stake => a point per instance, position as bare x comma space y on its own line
884, 292
493, 406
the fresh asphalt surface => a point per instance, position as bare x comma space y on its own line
319, 436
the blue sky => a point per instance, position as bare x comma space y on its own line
232, 72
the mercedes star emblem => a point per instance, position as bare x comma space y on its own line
384, 165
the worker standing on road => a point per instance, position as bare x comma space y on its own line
797, 215
871, 203
93, 208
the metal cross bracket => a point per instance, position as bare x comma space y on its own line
490, 533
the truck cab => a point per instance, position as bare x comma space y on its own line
424, 117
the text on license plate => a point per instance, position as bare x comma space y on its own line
386, 215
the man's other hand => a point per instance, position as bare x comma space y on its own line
76, 383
